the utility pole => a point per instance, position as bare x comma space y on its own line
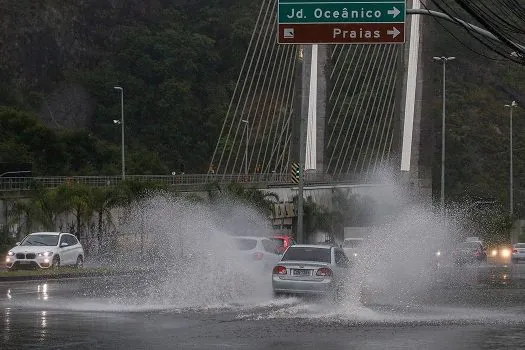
302, 149
444, 60
122, 129
511, 172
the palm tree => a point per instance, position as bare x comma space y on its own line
41, 210
103, 199
252, 196
77, 199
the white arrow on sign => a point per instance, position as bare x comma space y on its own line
394, 12
394, 32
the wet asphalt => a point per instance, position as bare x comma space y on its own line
124, 313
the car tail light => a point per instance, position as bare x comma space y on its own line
257, 256
279, 270
324, 271
514, 251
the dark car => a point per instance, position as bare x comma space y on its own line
469, 252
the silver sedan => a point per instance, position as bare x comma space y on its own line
311, 269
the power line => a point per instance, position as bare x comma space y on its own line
500, 17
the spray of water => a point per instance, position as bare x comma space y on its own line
188, 250
192, 262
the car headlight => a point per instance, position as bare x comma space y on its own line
494, 252
10, 253
438, 253
45, 254
505, 253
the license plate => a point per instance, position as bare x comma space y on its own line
301, 272
24, 262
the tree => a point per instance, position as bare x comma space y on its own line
41, 210
260, 200
103, 199
317, 218
77, 199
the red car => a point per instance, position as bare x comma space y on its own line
283, 242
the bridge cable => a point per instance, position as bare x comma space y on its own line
284, 84
336, 126
277, 81
387, 53
364, 112
234, 93
257, 90
383, 113
347, 141
246, 96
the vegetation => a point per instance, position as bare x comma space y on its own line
479, 83
178, 62
346, 210
88, 212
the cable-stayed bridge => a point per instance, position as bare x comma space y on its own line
357, 99
351, 124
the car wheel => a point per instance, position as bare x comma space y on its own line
80, 262
56, 262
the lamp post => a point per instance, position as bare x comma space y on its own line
444, 60
511, 172
121, 122
246, 148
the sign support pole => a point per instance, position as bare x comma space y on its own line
302, 157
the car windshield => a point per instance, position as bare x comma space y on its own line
307, 254
245, 243
40, 240
278, 241
270, 246
519, 245
352, 243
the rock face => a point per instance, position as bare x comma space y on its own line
69, 106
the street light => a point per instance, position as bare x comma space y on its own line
121, 122
444, 60
246, 148
511, 173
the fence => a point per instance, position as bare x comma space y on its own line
181, 180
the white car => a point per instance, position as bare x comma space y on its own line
45, 250
351, 247
260, 251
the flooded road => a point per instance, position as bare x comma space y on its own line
121, 313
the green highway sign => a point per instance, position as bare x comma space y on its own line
341, 22
341, 12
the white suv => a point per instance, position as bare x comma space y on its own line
44, 250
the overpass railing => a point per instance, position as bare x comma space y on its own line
180, 180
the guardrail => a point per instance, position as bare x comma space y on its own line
181, 180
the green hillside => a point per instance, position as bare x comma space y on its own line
479, 84
178, 62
